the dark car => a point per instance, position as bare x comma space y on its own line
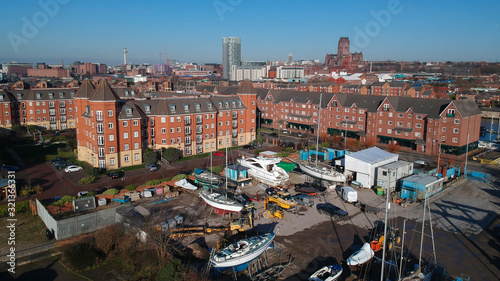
60, 164
244, 200
188, 172
249, 146
10, 168
273, 134
57, 159
115, 175
332, 211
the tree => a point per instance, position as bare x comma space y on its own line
150, 156
171, 154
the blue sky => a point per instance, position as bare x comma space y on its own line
97, 31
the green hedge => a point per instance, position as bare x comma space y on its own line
180, 177
131, 187
87, 180
153, 182
111, 191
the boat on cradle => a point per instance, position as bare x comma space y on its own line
309, 190
322, 173
185, 184
220, 201
327, 273
265, 170
363, 255
242, 251
207, 178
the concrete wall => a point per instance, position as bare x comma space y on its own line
77, 225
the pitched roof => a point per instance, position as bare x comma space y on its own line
85, 90
246, 88
104, 92
466, 107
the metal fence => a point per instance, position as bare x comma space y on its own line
77, 225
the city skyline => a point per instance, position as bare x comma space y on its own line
54, 30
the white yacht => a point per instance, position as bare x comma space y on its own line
265, 170
322, 173
220, 202
242, 251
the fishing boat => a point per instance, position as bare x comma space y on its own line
207, 178
327, 273
186, 185
242, 251
360, 257
265, 170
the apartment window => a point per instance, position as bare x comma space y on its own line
100, 128
444, 129
125, 135
172, 140
125, 147
136, 133
386, 107
389, 131
454, 139
163, 131
110, 125
163, 120
98, 115
457, 121
418, 134
442, 138
136, 156
172, 119
172, 130
178, 140
389, 122
418, 125
111, 137
455, 130
126, 158
136, 122
178, 119
444, 120
390, 114
400, 115
178, 129
112, 161
125, 123
419, 117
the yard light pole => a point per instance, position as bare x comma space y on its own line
385, 225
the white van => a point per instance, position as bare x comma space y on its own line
348, 194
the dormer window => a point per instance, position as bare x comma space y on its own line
197, 106
220, 104
126, 93
209, 106
61, 95
72, 94
186, 107
129, 111
239, 103
233, 104
51, 95
132, 93
226, 104
38, 96
147, 107
386, 107
1, 97
172, 108
19, 96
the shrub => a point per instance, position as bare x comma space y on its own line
87, 180
171, 271
131, 187
27, 190
171, 154
259, 150
149, 156
180, 177
217, 169
153, 182
111, 191
64, 200
82, 255
21, 207
283, 154
165, 179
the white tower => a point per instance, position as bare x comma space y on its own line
125, 56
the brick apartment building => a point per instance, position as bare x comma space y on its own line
420, 124
113, 129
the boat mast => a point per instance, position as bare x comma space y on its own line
211, 167
317, 133
385, 226
225, 171
422, 236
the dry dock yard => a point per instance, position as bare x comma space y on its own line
464, 219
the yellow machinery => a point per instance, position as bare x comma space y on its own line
239, 225
272, 209
244, 223
283, 199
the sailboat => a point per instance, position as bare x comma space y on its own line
220, 201
321, 173
327, 273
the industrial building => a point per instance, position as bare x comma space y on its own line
388, 175
361, 166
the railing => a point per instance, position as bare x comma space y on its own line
199, 140
187, 122
450, 114
235, 116
187, 132
199, 120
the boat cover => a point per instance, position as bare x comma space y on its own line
361, 256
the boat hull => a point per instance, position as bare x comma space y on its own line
313, 172
246, 258
211, 200
327, 273
276, 177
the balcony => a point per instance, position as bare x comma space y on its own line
199, 120
450, 115
187, 122
187, 132
199, 131
235, 125
199, 140
235, 135
235, 116
52, 120
188, 142
199, 151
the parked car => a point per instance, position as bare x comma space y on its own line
305, 200
187, 172
331, 210
244, 200
57, 159
249, 146
73, 168
299, 135
115, 175
82, 193
60, 164
10, 168
420, 162
151, 167
219, 153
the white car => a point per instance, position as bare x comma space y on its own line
421, 162
73, 168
